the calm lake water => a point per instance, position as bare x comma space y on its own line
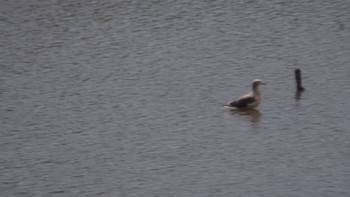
125, 98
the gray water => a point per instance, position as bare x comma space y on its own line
125, 98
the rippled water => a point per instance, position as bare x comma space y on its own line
125, 98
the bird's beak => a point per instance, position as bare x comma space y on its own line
263, 83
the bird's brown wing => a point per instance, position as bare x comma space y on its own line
242, 102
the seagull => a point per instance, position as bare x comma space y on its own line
248, 101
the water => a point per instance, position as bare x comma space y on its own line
125, 98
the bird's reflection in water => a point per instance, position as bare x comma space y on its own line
252, 113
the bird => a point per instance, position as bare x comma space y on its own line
250, 100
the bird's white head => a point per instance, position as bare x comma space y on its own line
256, 84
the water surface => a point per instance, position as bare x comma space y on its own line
125, 98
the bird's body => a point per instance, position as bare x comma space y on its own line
248, 101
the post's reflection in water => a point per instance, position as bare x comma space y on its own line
253, 114
298, 95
